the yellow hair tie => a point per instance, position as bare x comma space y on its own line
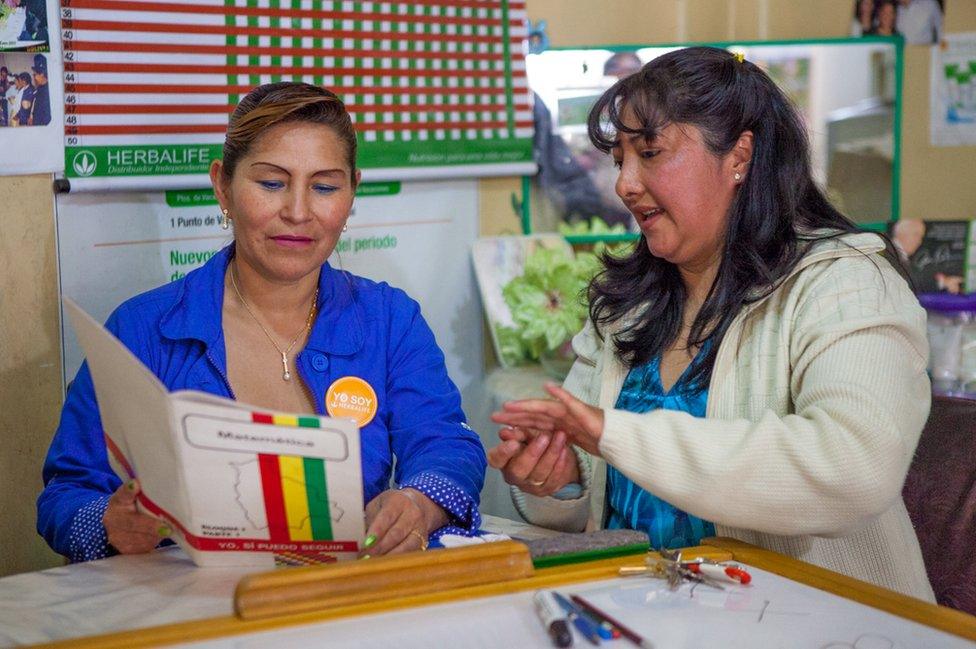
739, 56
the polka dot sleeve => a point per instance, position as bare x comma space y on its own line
462, 510
89, 541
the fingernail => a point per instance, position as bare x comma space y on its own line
542, 441
131, 485
370, 540
164, 530
365, 556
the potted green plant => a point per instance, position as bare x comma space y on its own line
548, 306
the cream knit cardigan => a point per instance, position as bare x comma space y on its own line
816, 402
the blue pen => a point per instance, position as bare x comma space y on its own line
579, 621
602, 628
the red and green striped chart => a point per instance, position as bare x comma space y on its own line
296, 495
435, 87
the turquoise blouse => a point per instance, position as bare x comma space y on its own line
631, 507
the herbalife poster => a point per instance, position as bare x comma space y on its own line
435, 89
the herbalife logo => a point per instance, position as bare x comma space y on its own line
84, 163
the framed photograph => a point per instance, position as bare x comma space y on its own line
23, 26
918, 21
25, 94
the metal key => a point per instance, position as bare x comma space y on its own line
669, 568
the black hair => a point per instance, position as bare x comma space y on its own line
770, 221
876, 17
857, 10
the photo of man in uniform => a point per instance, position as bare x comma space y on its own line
40, 114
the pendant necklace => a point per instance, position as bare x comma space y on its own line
285, 374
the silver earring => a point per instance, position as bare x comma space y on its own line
224, 220
737, 176
345, 227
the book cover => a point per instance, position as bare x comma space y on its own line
239, 485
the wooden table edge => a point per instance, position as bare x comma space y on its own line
716, 548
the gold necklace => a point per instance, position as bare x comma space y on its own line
285, 375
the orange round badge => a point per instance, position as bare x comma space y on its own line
351, 397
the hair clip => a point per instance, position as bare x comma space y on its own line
739, 56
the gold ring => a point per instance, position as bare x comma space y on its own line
537, 483
421, 538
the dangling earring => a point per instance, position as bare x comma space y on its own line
737, 176
224, 220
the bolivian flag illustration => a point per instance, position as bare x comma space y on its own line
296, 498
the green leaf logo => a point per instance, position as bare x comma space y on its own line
84, 163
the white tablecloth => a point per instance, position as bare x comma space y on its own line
133, 591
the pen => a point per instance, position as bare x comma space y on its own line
604, 630
624, 631
576, 616
552, 618
732, 574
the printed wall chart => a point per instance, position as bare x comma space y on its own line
436, 88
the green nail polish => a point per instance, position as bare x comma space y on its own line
131, 485
365, 556
370, 540
164, 530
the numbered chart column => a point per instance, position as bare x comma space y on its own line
146, 92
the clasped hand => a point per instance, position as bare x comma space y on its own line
535, 454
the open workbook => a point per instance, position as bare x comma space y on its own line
238, 485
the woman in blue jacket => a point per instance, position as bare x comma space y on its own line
269, 322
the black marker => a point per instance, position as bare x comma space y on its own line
553, 618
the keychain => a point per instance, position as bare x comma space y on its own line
671, 568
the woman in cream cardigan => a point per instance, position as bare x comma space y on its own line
754, 368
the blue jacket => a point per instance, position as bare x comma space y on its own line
363, 328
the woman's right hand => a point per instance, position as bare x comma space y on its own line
129, 530
538, 463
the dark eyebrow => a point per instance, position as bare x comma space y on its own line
320, 172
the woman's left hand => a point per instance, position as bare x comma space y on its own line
401, 520
582, 423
